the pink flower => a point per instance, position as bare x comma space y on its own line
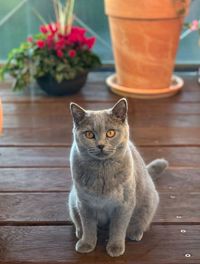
90, 42
41, 44
195, 25
72, 53
53, 28
30, 39
43, 29
59, 53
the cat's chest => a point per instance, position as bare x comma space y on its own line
105, 179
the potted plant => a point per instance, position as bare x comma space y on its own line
58, 58
145, 36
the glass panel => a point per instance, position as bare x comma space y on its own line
24, 22
189, 49
92, 13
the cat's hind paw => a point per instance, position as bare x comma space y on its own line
84, 247
136, 236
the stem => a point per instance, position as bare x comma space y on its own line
70, 15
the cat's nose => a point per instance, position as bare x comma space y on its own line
101, 146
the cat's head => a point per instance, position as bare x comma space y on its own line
101, 134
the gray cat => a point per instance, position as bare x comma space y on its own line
111, 183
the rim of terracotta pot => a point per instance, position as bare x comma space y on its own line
176, 85
146, 9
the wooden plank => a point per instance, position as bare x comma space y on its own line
55, 244
29, 208
166, 136
34, 157
136, 119
178, 180
176, 156
50, 208
178, 207
59, 156
60, 136
35, 180
59, 179
135, 107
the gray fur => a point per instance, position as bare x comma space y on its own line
112, 186
156, 167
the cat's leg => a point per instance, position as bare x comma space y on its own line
74, 214
142, 216
89, 226
117, 231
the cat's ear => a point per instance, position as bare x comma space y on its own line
78, 113
120, 109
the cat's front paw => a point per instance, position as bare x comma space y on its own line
78, 233
84, 247
115, 249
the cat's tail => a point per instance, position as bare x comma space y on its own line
156, 167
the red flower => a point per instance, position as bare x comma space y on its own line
90, 42
60, 36
77, 35
30, 39
43, 29
53, 28
72, 53
78, 30
60, 44
50, 42
59, 53
41, 44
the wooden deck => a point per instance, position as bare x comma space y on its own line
35, 176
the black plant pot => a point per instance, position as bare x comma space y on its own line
67, 87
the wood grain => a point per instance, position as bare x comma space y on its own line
50, 208
35, 180
137, 119
59, 156
59, 180
179, 180
55, 244
60, 136
61, 107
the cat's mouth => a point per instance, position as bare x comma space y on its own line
101, 154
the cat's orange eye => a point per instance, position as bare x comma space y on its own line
110, 133
89, 134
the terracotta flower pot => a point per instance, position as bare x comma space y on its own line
145, 36
1, 117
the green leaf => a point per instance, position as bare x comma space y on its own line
59, 77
